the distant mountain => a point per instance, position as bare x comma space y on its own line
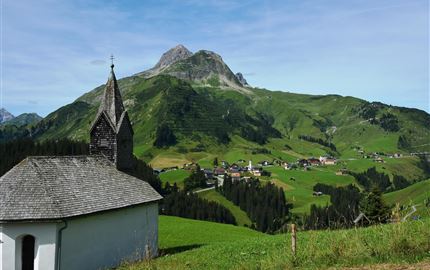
211, 113
5, 115
24, 119
205, 67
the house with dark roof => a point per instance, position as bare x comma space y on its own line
80, 212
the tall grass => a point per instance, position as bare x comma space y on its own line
406, 242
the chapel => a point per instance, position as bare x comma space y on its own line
80, 212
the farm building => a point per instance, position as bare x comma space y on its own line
80, 212
328, 160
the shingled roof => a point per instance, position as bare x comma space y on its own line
58, 187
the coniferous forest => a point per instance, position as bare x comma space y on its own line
343, 208
265, 205
15, 151
189, 205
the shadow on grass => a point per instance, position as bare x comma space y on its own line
174, 250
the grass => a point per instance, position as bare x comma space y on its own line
240, 216
299, 192
205, 245
168, 159
177, 176
176, 232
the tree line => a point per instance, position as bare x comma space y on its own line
15, 151
265, 205
346, 204
372, 177
318, 141
343, 208
197, 179
190, 205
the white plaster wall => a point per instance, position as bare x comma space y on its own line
45, 244
105, 240
1, 246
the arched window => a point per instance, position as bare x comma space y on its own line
27, 252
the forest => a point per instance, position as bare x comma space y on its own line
189, 205
265, 205
15, 151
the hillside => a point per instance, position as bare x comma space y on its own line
211, 87
197, 99
188, 244
417, 194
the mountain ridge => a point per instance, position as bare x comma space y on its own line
24, 119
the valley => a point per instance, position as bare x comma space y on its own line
207, 113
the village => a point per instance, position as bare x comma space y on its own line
245, 170
242, 170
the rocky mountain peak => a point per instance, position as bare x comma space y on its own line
173, 55
241, 79
5, 115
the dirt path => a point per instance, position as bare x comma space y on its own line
386, 266
205, 189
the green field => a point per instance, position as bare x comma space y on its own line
299, 191
177, 232
177, 176
240, 216
190, 244
415, 194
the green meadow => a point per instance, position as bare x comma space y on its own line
190, 244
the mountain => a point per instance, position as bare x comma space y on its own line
5, 115
203, 67
24, 119
197, 98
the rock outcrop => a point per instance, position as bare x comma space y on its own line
241, 79
5, 115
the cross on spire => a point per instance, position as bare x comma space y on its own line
111, 61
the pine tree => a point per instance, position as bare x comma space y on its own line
215, 162
373, 206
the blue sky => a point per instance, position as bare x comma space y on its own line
54, 51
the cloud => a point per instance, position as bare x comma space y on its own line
98, 62
249, 74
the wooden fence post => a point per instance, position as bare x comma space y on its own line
293, 238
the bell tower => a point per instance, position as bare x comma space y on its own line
111, 133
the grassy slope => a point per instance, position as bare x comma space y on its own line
240, 216
196, 112
412, 195
208, 245
175, 232
299, 192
